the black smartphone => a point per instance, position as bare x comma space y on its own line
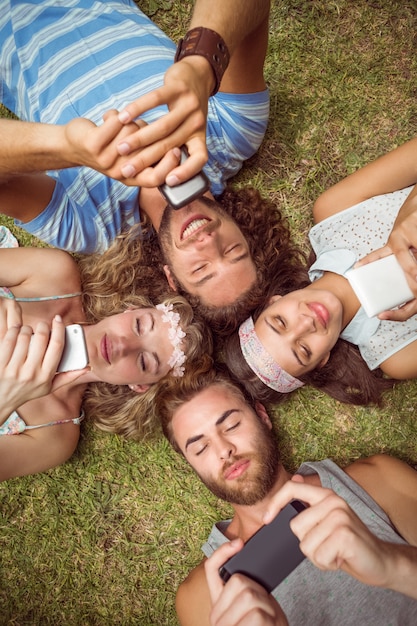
186, 192
271, 553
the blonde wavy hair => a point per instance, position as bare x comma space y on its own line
112, 283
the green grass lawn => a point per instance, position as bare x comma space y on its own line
106, 538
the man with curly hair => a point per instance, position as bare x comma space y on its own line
221, 254
72, 179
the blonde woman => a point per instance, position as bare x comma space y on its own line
132, 343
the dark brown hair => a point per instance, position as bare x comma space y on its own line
345, 377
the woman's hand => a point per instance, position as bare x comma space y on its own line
28, 360
403, 243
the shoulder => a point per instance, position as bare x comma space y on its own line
193, 603
393, 485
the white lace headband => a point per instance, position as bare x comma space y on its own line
262, 363
176, 335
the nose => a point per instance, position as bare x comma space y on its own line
305, 324
225, 449
128, 345
206, 240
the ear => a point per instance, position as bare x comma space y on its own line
139, 388
273, 299
324, 360
262, 414
170, 280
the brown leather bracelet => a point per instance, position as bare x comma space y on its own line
208, 44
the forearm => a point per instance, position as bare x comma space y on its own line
31, 147
393, 171
402, 570
233, 20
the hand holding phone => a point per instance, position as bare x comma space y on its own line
184, 193
271, 553
380, 285
74, 356
227, 606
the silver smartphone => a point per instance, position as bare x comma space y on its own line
186, 192
271, 553
380, 285
74, 356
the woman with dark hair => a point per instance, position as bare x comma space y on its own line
294, 338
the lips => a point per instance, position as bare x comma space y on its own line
321, 312
192, 225
105, 349
237, 469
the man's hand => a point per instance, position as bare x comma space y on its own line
241, 601
96, 147
332, 536
186, 94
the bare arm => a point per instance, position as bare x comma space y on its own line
38, 450
393, 171
27, 271
193, 603
243, 24
333, 537
31, 147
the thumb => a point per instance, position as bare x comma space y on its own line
66, 378
297, 478
216, 560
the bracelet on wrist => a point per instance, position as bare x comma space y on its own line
208, 44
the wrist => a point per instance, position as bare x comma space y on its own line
401, 569
208, 44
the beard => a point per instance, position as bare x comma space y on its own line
259, 478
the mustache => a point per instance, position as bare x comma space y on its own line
234, 459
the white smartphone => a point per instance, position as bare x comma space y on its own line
380, 285
74, 356
186, 192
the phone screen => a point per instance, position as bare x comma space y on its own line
271, 553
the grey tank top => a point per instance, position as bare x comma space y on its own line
311, 597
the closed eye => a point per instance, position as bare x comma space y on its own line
306, 351
280, 321
233, 427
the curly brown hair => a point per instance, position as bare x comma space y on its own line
272, 250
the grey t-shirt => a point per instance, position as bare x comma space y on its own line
313, 597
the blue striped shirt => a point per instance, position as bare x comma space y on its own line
79, 58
